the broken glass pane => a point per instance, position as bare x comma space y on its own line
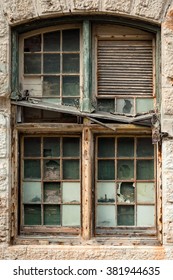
125, 215
51, 215
144, 105
32, 169
145, 215
31, 192
51, 63
51, 41
125, 169
125, 106
51, 169
71, 192
70, 86
145, 169
106, 170
52, 192
51, 86
70, 40
125, 147
51, 147
71, 147
145, 192
32, 44
145, 148
103, 144
70, 63
106, 192
71, 215
70, 169
32, 64
32, 215
32, 147
126, 192
106, 105
105, 216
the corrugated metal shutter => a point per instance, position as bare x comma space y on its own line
125, 67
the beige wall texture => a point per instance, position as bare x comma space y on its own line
16, 12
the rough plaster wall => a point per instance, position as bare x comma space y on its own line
18, 11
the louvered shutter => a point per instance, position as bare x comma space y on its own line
125, 67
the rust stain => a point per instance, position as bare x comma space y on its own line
169, 20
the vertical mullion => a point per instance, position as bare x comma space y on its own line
42, 183
115, 159
21, 182
61, 176
135, 177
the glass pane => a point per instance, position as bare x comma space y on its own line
32, 169
32, 44
32, 64
105, 216
71, 102
51, 63
70, 63
145, 192
125, 106
70, 40
106, 170
32, 215
51, 215
51, 86
125, 169
103, 144
51, 147
32, 147
145, 148
71, 192
145, 215
106, 105
52, 192
71, 147
51, 100
31, 192
144, 105
51, 169
51, 41
126, 192
125, 215
70, 169
145, 169
125, 147
71, 215
106, 192
70, 86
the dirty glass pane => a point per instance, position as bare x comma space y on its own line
32, 44
51, 86
70, 169
51, 63
144, 105
126, 192
70, 63
32, 147
145, 192
51, 169
70, 86
51, 215
106, 105
71, 215
71, 40
145, 148
125, 106
51, 147
106, 192
105, 216
32, 64
32, 169
145, 215
51, 41
51, 100
145, 169
52, 192
71, 192
31, 192
71, 102
125, 169
106, 170
106, 147
71, 147
32, 215
125, 147
125, 215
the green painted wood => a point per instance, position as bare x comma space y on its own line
15, 66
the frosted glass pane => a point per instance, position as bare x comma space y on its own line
125, 106
105, 192
71, 215
105, 216
145, 192
71, 192
125, 169
52, 192
144, 105
126, 192
145, 215
51, 169
31, 192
